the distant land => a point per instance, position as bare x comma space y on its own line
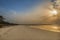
4, 23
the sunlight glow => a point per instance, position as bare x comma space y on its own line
53, 12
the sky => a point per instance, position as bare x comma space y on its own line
24, 11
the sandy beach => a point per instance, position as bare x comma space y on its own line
22, 32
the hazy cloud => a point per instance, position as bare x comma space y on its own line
34, 16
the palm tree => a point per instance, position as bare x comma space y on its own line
1, 19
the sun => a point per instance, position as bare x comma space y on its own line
53, 12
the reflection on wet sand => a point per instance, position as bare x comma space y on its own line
54, 28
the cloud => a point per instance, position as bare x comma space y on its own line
34, 16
